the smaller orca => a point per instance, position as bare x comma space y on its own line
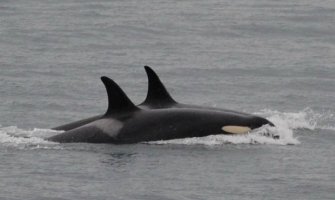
157, 98
125, 123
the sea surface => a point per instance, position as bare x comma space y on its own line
267, 57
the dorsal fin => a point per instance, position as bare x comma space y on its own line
118, 101
157, 93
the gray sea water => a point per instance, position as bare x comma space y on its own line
267, 57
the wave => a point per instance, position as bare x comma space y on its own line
305, 119
286, 124
13, 136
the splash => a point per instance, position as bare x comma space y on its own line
12, 136
305, 119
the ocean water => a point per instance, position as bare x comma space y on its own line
267, 57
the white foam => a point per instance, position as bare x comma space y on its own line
305, 119
12, 136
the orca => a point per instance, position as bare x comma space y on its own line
157, 97
126, 123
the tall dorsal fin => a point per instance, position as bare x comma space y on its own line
157, 93
118, 101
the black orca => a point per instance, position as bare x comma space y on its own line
157, 97
125, 123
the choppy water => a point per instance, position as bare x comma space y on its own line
272, 58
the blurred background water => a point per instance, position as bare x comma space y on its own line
268, 57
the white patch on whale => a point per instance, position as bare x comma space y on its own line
109, 126
236, 129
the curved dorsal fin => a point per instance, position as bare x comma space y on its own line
118, 101
157, 93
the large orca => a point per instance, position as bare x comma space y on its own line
125, 123
157, 97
